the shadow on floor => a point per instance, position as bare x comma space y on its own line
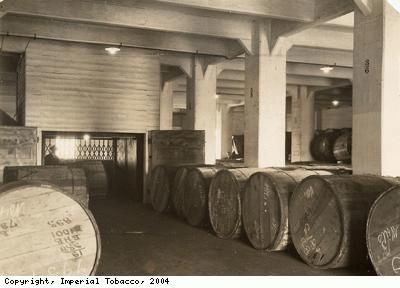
138, 241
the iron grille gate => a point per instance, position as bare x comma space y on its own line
81, 149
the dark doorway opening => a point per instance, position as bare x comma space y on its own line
122, 155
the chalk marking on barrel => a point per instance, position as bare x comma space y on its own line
387, 236
396, 264
309, 193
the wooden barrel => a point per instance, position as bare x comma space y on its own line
178, 187
224, 202
71, 180
322, 146
342, 148
195, 200
162, 178
178, 190
45, 232
96, 176
383, 235
327, 218
265, 206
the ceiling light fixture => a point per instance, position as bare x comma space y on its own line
113, 50
335, 103
327, 68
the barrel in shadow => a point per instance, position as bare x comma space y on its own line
383, 235
195, 197
328, 215
342, 148
178, 190
224, 202
45, 232
96, 176
162, 179
72, 181
322, 146
265, 205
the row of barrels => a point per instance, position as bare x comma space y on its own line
44, 215
332, 145
80, 180
330, 219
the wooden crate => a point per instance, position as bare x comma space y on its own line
171, 147
17, 147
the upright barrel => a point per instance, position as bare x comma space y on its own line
224, 202
96, 176
383, 239
162, 178
328, 215
195, 197
265, 206
71, 180
342, 148
45, 232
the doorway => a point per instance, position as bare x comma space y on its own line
122, 155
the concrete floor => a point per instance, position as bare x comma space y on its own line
138, 241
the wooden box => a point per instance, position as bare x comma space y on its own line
17, 147
176, 147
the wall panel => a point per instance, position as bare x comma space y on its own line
78, 87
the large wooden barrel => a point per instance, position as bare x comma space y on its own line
96, 176
178, 187
45, 232
71, 180
322, 146
162, 178
224, 202
195, 200
178, 190
342, 148
265, 206
383, 235
328, 215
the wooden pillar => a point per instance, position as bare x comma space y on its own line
303, 123
202, 103
166, 106
265, 101
225, 130
376, 91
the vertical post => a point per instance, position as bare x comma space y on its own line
265, 101
166, 106
202, 104
376, 91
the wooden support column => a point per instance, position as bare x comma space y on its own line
166, 106
376, 90
202, 103
224, 131
303, 123
265, 97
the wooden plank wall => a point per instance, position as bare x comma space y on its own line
80, 87
17, 147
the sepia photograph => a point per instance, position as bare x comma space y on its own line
166, 138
